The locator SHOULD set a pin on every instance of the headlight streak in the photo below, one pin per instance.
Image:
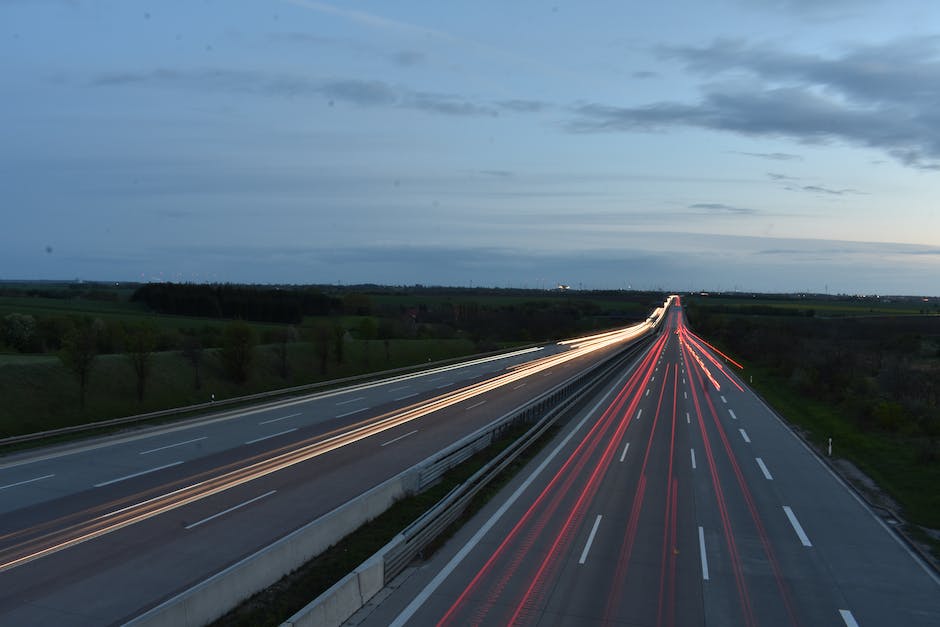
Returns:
(97, 521)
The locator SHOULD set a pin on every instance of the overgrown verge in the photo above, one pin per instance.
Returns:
(295, 590)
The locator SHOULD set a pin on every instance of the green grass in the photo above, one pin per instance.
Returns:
(822, 307)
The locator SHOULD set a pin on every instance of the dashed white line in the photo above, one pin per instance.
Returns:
(848, 619)
(744, 435)
(638, 414)
(692, 451)
(653, 379)
(352, 400)
(163, 448)
(13, 485)
(350, 413)
(267, 422)
(685, 394)
(401, 398)
(137, 474)
(724, 400)
(399, 389)
(683, 380)
(626, 447)
(516, 387)
(401, 437)
(701, 548)
(273, 435)
(804, 540)
(647, 391)
(229, 510)
(443, 385)
(763, 469)
(688, 420)
(733, 415)
(590, 540)
(475, 405)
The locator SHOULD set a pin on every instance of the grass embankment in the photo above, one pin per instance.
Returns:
(39, 393)
(293, 592)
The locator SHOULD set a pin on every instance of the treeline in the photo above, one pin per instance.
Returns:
(244, 302)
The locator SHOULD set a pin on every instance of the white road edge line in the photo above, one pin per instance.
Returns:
(350, 413)
(267, 422)
(356, 400)
(848, 619)
(763, 469)
(268, 437)
(229, 510)
(401, 398)
(744, 435)
(590, 540)
(474, 405)
(701, 549)
(401, 437)
(731, 411)
(13, 485)
(137, 474)
(405, 615)
(626, 447)
(163, 448)
(692, 451)
(804, 540)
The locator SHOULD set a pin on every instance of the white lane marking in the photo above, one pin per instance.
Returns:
(744, 435)
(733, 415)
(401, 437)
(626, 447)
(763, 469)
(137, 474)
(654, 378)
(353, 400)
(268, 437)
(475, 405)
(590, 540)
(701, 549)
(692, 451)
(516, 387)
(638, 414)
(401, 398)
(435, 379)
(163, 448)
(350, 413)
(442, 386)
(399, 389)
(688, 420)
(848, 619)
(267, 422)
(229, 510)
(471, 544)
(647, 391)
(804, 540)
(683, 380)
(685, 394)
(724, 400)
(13, 485)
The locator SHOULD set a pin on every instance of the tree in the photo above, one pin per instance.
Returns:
(320, 336)
(284, 337)
(19, 331)
(339, 341)
(140, 342)
(367, 332)
(193, 353)
(78, 354)
(237, 354)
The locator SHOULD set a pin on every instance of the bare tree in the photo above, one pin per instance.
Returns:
(193, 353)
(238, 347)
(78, 354)
(284, 337)
(140, 343)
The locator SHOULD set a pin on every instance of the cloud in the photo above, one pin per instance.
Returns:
(782, 177)
(408, 58)
(523, 106)
(774, 156)
(643, 74)
(883, 97)
(500, 174)
(827, 190)
(366, 93)
(718, 208)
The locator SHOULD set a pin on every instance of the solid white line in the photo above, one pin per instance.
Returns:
(350, 413)
(13, 485)
(475, 405)
(692, 451)
(455, 561)
(590, 540)
(744, 435)
(268, 437)
(848, 619)
(154, 450)
(688, 420)
(267, 422)
(724, 400)
(638, 414)
(701, 548)
(764, 470)
(401, 398)
(733, 415)
(229, 510)
(516, 387)
(353, 400)
(796, 526)
(623, 455)
(401, 437)
(136, 474)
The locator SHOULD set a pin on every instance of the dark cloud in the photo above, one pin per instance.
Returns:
(364, 93)
(523, 106)
(819, 189)
(782, 177)
(718, 208)
(884, 97)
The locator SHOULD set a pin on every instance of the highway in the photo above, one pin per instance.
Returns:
(96, 532)
(676, 498)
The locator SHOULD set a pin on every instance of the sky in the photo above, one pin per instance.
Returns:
(751, 145)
